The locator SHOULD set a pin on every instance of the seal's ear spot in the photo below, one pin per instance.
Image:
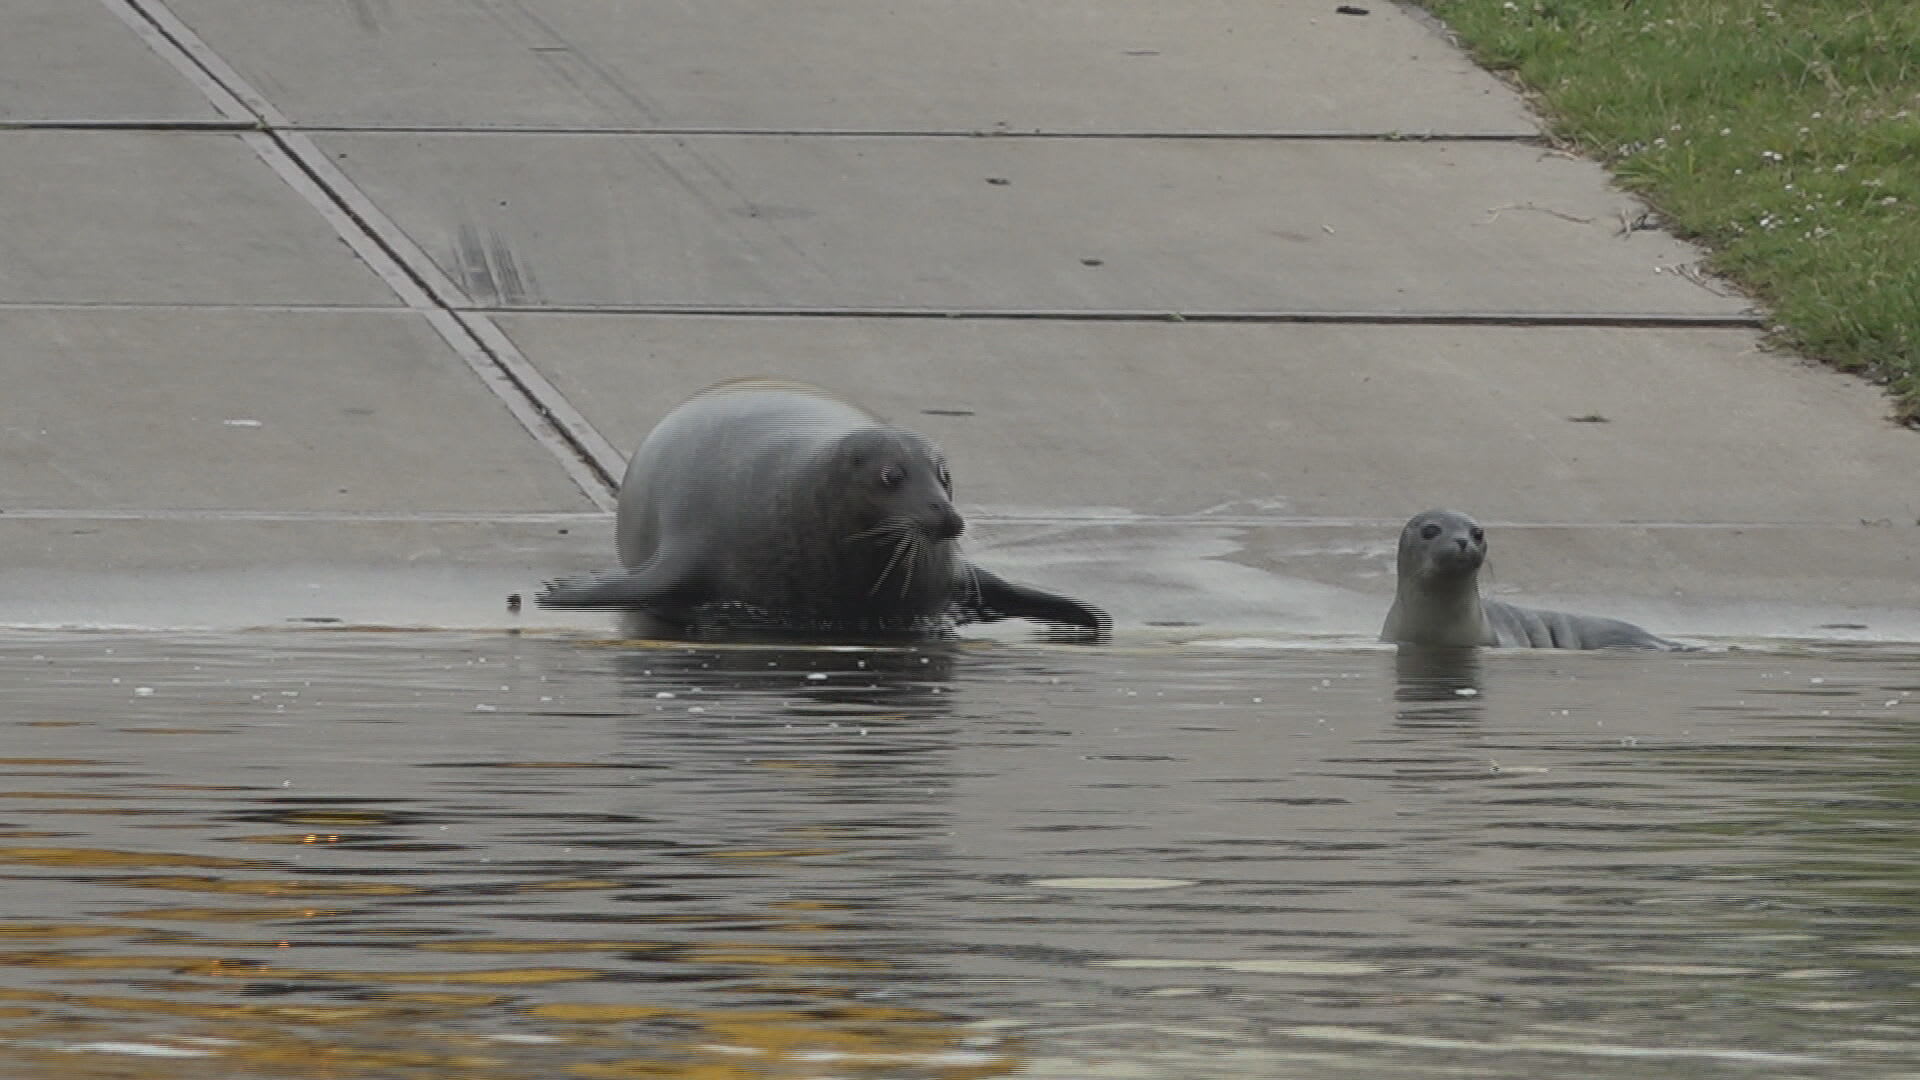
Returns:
(1429, 531)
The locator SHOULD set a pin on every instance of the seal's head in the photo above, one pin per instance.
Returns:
(885, 495)
(895, 482)
(1441, 545)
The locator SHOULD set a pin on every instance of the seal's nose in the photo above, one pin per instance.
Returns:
(945, 523)
(1464, 543)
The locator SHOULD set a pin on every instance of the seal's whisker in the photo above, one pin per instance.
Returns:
(913, 554)
(899, 549)
(888, 527)
(973, 584)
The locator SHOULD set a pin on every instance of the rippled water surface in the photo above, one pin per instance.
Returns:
(320, 854)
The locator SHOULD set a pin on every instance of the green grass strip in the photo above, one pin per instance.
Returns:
(1782, 134)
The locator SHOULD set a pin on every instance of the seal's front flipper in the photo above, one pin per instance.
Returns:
(660, 586)
(986, 597)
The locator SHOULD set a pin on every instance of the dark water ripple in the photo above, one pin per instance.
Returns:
(426, 855)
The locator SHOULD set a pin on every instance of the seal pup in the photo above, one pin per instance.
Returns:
(1437, 601)
(777, 509)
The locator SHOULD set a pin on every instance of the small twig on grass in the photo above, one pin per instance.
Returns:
(1630, 222)
(1692, 272)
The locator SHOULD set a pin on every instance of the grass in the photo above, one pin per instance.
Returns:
(1782, 134)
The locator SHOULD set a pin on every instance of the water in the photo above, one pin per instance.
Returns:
(350, 854)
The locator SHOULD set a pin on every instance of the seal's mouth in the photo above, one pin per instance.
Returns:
(1454, 562)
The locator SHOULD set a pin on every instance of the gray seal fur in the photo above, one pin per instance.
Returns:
(1437, 599)
(776, 506)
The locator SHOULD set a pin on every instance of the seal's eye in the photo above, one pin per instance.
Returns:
(1429, 531)
(892, 476)
(1479, 535)
(946, 481)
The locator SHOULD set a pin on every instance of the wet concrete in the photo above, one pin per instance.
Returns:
(311, 853)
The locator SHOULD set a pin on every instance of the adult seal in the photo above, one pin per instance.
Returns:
(776, 508)
(1437, 599)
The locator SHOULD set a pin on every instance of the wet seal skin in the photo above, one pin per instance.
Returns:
(1437, 600)
(769, 509)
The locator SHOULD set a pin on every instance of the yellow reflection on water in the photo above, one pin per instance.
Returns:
(600, 1014)
(96, 857)
(441, 997)
(431, 1034)
(242, 915)
(61, 930)
(850, 1041)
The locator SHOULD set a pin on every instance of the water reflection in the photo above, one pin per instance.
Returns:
(1443, 684)
(883, 678)
(323, 854)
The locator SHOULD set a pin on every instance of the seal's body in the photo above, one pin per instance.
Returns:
(1437, 599)
(780, 507)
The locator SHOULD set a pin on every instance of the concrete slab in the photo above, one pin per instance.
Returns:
(76, 62)
(260, 410)
(164, 218)
(1000, 224)
(1228, 421)
(1130, 65)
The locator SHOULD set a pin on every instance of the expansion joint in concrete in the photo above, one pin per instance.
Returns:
(1650, 320)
